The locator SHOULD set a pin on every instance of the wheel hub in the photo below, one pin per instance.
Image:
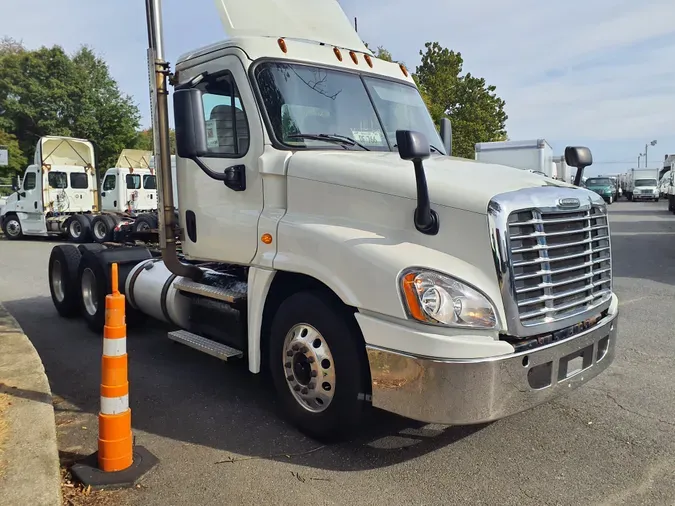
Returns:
(89, 292)
(57, 281)
(309, 368)
(75, 229)
(13, 228)
(100, 230)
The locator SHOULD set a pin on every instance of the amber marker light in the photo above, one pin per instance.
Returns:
(354, 57)
(338, 54)
(282, 45)
(403, 69)
(369, 60)
(266, 238)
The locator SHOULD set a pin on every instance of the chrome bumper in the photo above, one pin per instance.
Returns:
(462, 392)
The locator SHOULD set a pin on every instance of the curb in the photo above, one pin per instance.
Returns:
(29, 459)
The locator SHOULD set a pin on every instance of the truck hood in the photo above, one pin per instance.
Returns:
(454, 182)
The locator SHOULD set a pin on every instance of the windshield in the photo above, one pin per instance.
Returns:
(599, 181)
(302, 100)
(645, 182)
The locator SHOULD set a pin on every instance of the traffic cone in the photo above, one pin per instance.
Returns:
(117, 463)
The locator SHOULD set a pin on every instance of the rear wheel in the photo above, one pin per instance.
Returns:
(102, 227)
(63, 267)
(11, 227)
(92, 285)
(145, 223)
(78, 229)
(318, 365)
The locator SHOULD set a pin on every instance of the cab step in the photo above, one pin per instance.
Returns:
(216, 286)
(199, 343)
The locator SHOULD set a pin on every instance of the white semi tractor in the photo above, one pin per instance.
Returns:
(58, 195)
(367, 267)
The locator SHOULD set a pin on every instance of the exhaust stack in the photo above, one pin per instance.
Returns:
(158, 69)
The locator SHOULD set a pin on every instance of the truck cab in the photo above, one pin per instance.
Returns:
(368, 266)
(130, 186)
(61, 182)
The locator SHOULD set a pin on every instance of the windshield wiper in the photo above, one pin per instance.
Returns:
(431, 146)
(341, 139)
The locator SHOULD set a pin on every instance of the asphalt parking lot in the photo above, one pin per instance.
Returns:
(219, 440)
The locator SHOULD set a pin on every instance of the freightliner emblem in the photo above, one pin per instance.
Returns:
(569, 203)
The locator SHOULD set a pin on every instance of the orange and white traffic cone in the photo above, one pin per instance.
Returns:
(115, 441)
(117, 463)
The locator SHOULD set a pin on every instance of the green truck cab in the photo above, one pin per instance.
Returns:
(603, 186)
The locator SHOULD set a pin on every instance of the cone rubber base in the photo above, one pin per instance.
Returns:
(88, 473)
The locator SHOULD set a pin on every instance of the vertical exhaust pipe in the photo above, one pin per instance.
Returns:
(158, 69)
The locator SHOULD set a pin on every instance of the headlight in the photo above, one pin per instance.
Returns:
(432, 297)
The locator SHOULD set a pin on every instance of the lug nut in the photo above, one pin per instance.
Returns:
(296, 388)
(290, 377)
(288, 365)
(311, 386)
(304, 349)
(289, 353)
(314, 374)
(296, 347)
(310, 360)
(304, 391)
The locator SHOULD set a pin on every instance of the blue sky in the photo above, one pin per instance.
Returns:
(598, 73)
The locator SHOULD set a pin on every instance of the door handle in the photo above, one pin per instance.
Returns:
(235, 177)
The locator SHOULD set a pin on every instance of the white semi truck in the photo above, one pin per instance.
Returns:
(533, 155)
(368, 267)
(58, 195)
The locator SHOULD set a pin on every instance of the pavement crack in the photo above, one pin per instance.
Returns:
(649, 416)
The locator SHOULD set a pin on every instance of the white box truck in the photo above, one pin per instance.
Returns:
(367, 268)
(642, 185)
(533, 155)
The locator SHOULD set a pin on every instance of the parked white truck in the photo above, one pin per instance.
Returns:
(367, 267)
(533, 155)
(58, 195)
(642, 185)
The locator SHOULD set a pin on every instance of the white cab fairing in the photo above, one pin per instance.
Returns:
(317, 20)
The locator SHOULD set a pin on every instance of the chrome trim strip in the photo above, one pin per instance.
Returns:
(542, 200)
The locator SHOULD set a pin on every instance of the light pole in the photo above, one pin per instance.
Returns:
(653, 143)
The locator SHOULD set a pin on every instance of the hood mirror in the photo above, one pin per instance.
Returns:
(579, 157)
(414, 146)
(446, 135)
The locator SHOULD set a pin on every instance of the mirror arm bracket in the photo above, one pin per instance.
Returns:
(426, 219)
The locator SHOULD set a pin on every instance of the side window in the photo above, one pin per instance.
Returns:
(150, 182)
(29, 181)
(79, 180)
(226, 124)
(133, 182)
(109, 182)
(58, 180)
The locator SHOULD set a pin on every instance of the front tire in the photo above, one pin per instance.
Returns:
(318, 365)
(11, 227)
(64, 263)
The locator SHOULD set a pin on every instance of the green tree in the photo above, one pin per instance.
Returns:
(47, 92)
(145, 141)
(476, 112)
(17, 161)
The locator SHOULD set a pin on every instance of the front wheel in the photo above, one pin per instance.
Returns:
(11, 227)
(318, 365)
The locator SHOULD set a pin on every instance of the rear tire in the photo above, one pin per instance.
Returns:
(79, 229)
(102, 227)
(318, 365)
(145, 223)
(92, 285)
(64, 263)
(11, 227)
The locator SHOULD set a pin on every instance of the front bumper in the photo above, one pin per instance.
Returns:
(645, 196)
(469, 391)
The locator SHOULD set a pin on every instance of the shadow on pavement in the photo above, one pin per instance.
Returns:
(179, 393)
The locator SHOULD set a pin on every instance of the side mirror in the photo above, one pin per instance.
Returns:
(23, 194)
(579, 157)
(188, 115)
(15, 187)
(414, 146)
(446, 135)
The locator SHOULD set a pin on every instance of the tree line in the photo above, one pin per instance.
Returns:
(49, 92)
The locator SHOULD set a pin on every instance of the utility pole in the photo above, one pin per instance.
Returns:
(653, 143)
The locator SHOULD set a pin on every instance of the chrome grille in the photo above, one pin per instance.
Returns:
(560, 263)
